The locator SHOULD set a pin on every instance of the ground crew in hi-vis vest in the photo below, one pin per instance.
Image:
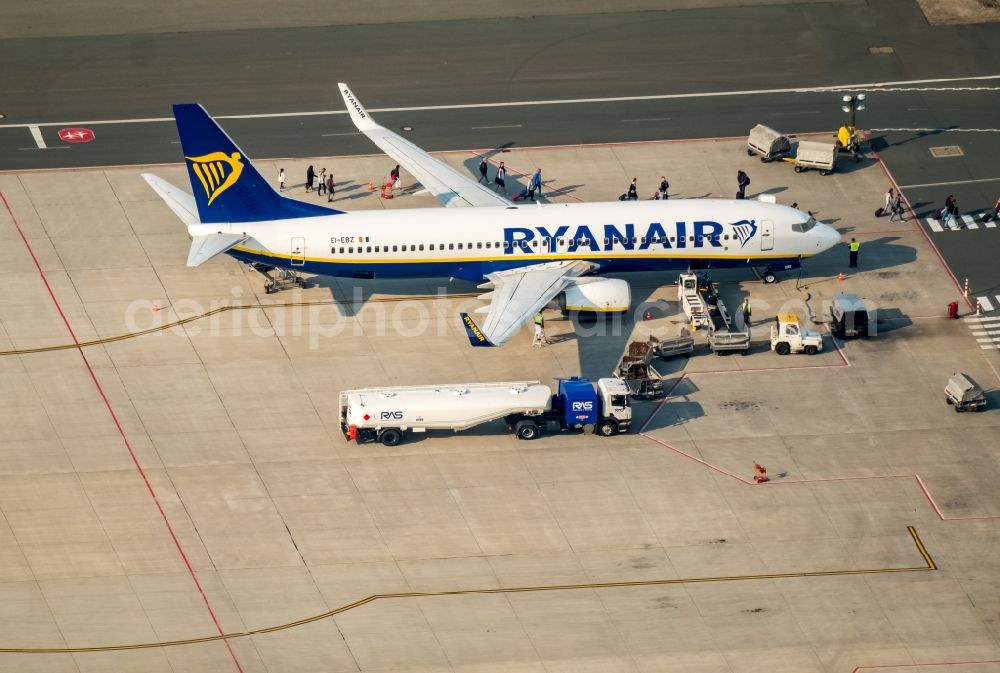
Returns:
(540, 339)
(854, 247)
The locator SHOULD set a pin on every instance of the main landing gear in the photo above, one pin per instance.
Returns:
(278, 278)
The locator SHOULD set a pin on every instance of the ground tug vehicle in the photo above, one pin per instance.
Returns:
(528, 407)
(787, 336)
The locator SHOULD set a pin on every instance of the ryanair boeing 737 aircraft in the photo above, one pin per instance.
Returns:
(527, 255)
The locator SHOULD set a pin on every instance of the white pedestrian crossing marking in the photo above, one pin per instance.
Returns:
(986, 332)
(986, 340)
(954, 224)
(985, 303)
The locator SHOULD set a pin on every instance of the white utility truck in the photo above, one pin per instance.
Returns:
(788, 337)
(528, 407)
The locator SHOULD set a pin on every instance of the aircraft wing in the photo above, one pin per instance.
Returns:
(450, 186)
(518, 294)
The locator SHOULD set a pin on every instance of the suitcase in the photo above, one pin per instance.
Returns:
(880, 212)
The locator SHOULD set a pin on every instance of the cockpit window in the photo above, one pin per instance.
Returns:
(803, 227)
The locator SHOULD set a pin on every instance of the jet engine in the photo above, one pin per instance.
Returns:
(596, 295)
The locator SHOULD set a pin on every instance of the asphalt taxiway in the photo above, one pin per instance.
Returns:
(183, 500)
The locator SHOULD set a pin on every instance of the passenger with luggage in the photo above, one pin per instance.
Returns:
(896, 208)
(949, 211)
(743, 181)
(633, 191)
(886, 208)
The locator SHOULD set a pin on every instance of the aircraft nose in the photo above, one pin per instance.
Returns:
(830, 237)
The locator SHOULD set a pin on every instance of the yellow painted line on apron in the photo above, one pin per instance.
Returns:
(929, 565)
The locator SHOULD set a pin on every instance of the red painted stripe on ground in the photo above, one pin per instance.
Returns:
(121, 431)
(909, 206)
(787, 482)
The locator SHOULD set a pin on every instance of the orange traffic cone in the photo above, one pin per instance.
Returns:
(648, 315)
(760, 473)
(155, 307)
(371, 185)
(840, 277)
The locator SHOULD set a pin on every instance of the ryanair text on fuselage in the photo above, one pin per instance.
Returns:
(698, 234)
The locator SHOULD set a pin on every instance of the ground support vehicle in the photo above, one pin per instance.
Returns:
(682, 344)
(580, 404)
(691, 291)
(850, 316)
(849, 140)
(767, 143)
(964, 393)
(787, 336)
(387, 414)
(635, 369)
(723, 334)
(704, 308)
(812, 154)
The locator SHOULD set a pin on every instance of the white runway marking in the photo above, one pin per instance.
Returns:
(499, 126)
(36, 133)
(648, 119)
(943, 184)
(523, 103)
(351, 133)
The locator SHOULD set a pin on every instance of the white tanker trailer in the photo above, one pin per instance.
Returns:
(385, 414)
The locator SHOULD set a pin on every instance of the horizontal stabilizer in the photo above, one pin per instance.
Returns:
(204, 248)
(476, 336)
(176, 199)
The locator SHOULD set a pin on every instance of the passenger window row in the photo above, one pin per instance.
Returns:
(562, 242)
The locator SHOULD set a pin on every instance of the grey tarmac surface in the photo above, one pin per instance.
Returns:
(194, 482)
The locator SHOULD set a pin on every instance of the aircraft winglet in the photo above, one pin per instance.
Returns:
(476, 336)
(359, 115)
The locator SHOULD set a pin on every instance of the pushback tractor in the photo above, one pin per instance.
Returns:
(528, 407)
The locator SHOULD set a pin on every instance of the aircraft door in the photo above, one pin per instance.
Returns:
(766, 235)
(298, 251)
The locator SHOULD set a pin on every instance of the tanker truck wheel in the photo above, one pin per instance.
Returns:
(606, 429)
(526, 430)
(390, 437)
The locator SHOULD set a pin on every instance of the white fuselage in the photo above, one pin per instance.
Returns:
(472, 242)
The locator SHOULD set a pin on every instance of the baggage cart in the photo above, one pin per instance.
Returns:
(636, 371)
(812, 154)
(682, 344)
(964, 393)
(767, 143)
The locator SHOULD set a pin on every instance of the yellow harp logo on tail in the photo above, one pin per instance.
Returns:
(217, 172)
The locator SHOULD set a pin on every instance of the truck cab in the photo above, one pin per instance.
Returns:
(615, 406)
(604, 406)
(787, 336)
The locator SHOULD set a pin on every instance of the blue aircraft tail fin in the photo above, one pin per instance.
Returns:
(227, 188)
(476, 336)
